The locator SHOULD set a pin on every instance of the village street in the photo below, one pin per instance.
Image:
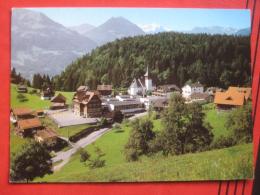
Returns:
(65, 156)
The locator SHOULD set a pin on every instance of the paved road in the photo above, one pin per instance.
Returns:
(65, 156)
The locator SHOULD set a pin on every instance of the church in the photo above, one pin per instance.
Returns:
(141, 85)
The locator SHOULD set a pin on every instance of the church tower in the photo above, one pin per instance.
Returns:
(148, 81)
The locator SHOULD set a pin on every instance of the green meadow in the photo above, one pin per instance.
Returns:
(228, 163)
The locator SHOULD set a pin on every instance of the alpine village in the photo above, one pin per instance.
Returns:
(163, 107)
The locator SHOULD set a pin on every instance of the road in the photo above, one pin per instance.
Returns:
(64, 156)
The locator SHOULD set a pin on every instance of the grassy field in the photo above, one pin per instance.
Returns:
(217, 120)
(33, 100)
(229, 163)
(15, 141)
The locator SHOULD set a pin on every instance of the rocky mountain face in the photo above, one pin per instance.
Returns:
(40, 45)
(114, 28)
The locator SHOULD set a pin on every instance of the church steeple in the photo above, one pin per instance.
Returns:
(146, 75)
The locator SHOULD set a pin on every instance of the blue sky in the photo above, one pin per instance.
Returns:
(169, 18)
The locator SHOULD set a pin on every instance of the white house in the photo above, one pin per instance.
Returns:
(142, 85)
(187, 90)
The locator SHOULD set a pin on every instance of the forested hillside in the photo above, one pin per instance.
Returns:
(214, 60)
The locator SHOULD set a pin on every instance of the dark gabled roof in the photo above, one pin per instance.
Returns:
(199, 95)
(59, 98)
(85, 97)
(104, 87)
(46, 133)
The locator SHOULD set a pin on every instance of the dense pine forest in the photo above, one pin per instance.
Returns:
(173, 58)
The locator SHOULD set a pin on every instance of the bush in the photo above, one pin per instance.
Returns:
(97, 163)
(103, 121)
(84, 155)
(223, 142)
(33, 91)
(21, 97)
(131, 155)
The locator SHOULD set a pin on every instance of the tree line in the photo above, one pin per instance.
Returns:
(184, 130)
(214, 60)
(17, 78)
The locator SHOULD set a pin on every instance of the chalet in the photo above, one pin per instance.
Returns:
(47, 136)
(233, 97)
(58, 102)
(189, 89)
(141, 85)
(28, 127)
(47, 94)
(87, 104)
(21, 114)
(166, 90)
(22, 89)
(104, 90)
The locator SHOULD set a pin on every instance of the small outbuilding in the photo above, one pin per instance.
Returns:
(28, 127)
(22, 89)
(58, 102)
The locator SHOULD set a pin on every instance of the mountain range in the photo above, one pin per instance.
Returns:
(220, 30)
(41, 45)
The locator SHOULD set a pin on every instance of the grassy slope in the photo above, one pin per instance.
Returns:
(217, 120)
(34, 101)
(209, 165)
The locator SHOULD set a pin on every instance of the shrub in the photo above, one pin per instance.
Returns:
(21, 97)
(84, 155)
(103, 121)
(33, 91)
(223, 142)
